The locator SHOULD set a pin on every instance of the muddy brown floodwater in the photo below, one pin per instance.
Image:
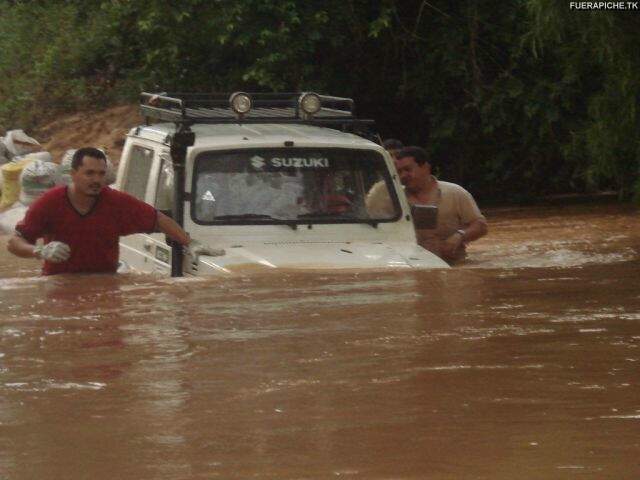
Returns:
(524, 364)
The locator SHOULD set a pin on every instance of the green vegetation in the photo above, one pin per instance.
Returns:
(513, 99)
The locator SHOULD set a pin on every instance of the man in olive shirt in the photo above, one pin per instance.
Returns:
(459, 220)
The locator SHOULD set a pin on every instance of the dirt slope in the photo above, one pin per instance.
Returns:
(105, 129)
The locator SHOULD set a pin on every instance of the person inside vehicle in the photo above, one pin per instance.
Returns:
(378, 202)
(459, 220)
(81, 223)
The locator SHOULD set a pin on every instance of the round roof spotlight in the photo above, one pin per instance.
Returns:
(310, 103)
(240, 102)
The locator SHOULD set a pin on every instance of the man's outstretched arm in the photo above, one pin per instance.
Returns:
(21, 248)
(169, 227)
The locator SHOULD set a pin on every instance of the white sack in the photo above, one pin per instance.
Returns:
(42, 156)
(35, 179)
(19, 143)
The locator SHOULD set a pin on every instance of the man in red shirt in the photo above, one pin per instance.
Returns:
(81, 223)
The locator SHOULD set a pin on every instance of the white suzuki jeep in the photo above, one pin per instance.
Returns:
(271, 180)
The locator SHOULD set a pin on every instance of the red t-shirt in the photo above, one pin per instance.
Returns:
(92, 237)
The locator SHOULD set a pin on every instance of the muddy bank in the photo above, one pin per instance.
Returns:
(106, 129)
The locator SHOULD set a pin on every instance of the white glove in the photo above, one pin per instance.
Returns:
(195, 249)
(55, 252)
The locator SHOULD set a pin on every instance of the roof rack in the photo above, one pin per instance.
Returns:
(190, 108)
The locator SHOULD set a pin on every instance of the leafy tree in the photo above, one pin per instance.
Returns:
(597, 54)
(513, 100)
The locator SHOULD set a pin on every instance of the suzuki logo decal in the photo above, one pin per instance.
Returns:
(257, 162)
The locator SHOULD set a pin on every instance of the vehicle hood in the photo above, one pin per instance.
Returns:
(320, 256)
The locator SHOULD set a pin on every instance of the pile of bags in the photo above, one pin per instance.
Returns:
(26, 172)
(17, 151)
(24, 181)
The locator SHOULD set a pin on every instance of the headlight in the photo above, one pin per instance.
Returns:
(240, 102)
(310, 103)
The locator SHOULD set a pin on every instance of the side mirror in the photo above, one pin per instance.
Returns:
(424, 216)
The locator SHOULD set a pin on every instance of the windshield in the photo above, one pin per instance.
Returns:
(292, 185)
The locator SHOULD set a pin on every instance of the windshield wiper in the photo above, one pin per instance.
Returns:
(319, 215)
(244, 216)
(337, 216)
(258, 216)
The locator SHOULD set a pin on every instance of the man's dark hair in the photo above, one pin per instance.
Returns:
(392, 144)
(76, 161)
(419, 154)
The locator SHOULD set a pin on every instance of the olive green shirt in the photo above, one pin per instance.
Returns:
(456, 210)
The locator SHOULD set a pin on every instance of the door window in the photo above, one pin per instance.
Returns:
(164, 190)
(140, 161)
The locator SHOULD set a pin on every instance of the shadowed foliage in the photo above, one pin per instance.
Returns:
(513, 99)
